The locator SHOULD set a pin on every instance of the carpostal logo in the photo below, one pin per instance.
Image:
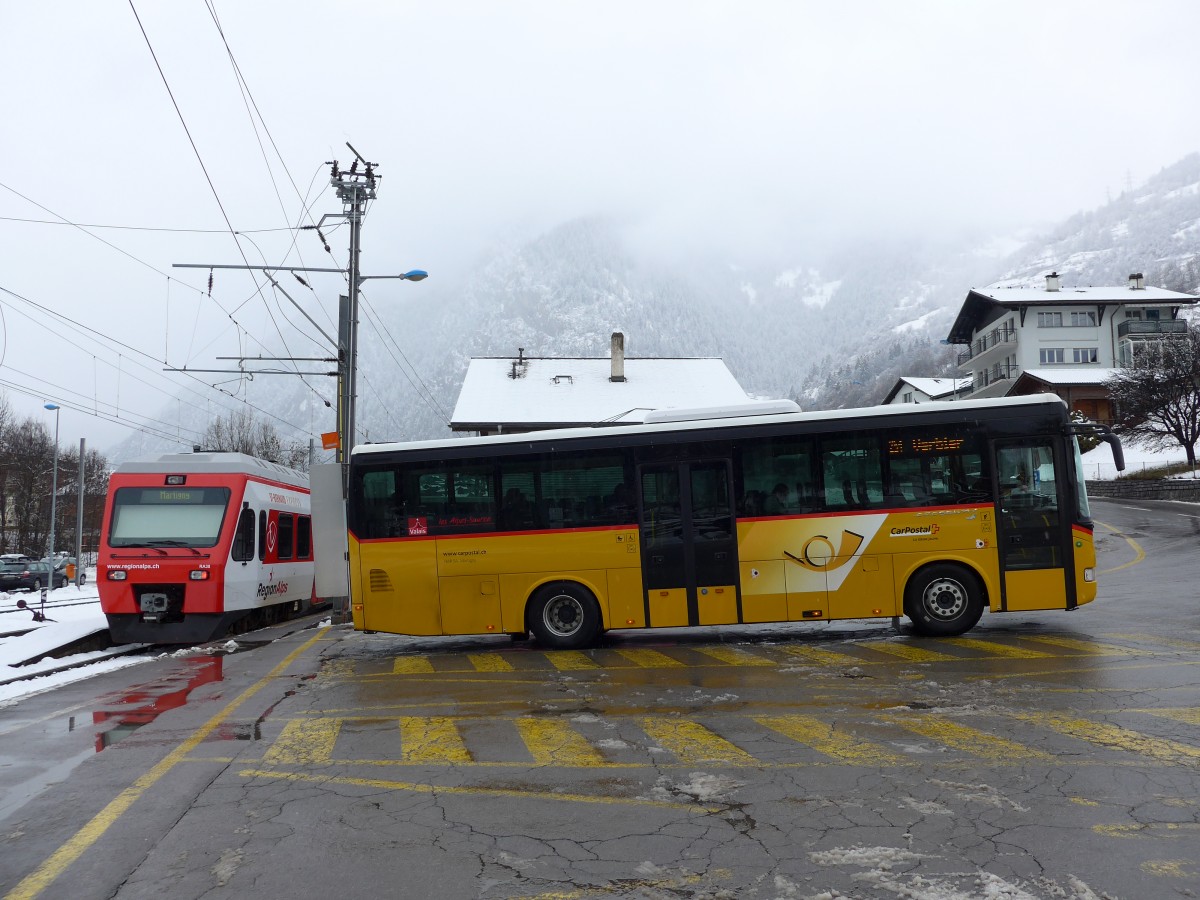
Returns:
(271, 590)
(916, 530)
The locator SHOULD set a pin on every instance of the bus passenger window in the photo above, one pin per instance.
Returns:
(765, 465)
(853, 472)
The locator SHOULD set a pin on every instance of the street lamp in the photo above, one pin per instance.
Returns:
(53, 498)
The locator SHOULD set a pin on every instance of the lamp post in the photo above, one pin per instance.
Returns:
(53, 498)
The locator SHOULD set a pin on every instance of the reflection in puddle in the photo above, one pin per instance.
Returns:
(146, 703)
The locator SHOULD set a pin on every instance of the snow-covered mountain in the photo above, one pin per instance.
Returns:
(829, 331)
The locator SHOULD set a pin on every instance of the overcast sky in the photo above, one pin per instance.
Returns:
(752, 127)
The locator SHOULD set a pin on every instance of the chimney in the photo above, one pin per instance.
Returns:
(1052, 282)
(1137, 282)
(618, 357)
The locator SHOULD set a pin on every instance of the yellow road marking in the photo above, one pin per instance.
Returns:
(305, 742)
(1170, 868)
(553, 742)
(992, 648)
(1091, 648)
(337, 668)
(412, 665)
(907, 651)
(45, 874)
(824, 738)
(1115, 737)
(489, 662)
(734, 656)
(431, 739)
(571, 660)
(377, 784)
(693, 743)
(969, 740)
(824, 657)
(1138, 553)
(650, 659)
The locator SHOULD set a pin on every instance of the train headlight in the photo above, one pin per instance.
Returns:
(117, 575)
(198, 575)
(1089, 574)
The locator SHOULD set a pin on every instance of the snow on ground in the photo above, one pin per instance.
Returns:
(71, 613)
(1098, 463)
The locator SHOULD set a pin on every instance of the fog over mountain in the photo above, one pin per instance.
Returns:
(830, 329)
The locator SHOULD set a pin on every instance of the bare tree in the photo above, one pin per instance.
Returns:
(1157, 397)
(26, 460)
(240, 432)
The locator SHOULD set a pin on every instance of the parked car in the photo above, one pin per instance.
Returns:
(28, 576)
(14, 557)
(66, 565)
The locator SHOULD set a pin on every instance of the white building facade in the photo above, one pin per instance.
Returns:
(1072, 333)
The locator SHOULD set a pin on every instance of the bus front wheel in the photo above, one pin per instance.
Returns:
(564, 616)
(944, 600)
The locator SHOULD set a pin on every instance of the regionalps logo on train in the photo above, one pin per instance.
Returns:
(272, 590)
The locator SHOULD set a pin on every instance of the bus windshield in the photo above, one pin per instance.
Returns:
(181, 517)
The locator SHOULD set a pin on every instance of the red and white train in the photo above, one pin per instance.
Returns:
(198, 545)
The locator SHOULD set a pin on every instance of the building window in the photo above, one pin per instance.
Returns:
(1079, 319)
(1085, 355)
(1051, 355)
(1153, 315)
(908, 397)
(1133, 313)
(1050, 320)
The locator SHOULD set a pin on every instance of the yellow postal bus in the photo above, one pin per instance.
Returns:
(715, 517)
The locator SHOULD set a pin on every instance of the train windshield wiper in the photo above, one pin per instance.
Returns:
(167, 542)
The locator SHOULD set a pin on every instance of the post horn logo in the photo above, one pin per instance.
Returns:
(819, 553)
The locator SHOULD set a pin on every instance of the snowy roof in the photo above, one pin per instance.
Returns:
(1103, 294)
(980, 303)
(1063, 375)
(931, 387)
(558, 392)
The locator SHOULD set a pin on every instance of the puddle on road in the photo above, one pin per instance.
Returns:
(126, 713)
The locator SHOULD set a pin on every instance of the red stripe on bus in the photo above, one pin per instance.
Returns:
(479, 534)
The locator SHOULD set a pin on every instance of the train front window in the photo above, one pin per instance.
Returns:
(167, 516)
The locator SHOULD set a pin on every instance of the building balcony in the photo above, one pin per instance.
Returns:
(985, 342)
(1136, 328)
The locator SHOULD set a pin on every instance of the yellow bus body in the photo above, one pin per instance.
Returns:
(803, 568)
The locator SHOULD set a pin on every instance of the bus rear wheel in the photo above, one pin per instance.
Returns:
(564, 616)
(943, 600)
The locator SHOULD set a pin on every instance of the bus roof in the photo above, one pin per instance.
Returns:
(965, 408)
(216, 463)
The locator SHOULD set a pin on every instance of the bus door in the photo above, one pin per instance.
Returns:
(689, 544)
(1034, 535)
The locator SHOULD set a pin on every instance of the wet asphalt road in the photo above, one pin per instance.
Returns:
(1043, 755)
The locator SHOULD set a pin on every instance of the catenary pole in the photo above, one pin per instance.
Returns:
(79, 518)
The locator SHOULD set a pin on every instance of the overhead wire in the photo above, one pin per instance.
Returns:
(96, 333)
(203, 168)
